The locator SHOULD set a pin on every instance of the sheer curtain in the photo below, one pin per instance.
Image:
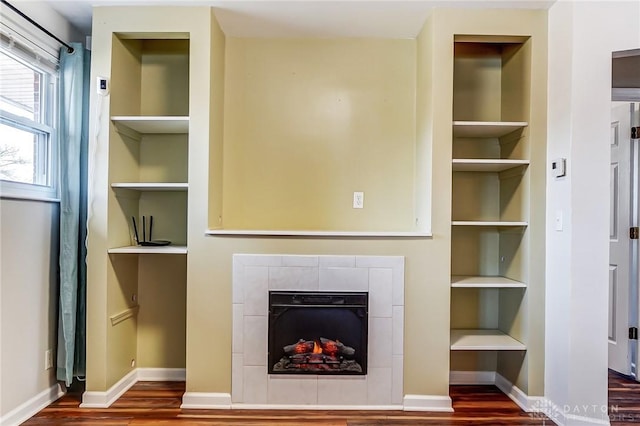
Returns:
(73, 142)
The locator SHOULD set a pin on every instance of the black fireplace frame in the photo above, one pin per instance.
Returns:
(283, 301)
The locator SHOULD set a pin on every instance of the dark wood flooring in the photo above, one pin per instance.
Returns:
(624, 400)
(158, 403)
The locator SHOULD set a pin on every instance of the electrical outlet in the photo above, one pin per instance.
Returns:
(358, 200)
(48, 359)
(133, 362)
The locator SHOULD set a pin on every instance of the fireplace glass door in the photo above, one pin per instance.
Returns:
(318, 333)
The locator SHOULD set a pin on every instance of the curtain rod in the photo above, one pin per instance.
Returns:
(40, 27)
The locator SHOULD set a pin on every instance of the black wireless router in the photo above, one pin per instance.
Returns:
(144, 242)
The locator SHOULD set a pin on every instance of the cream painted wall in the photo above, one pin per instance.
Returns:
(28, 298)
(582, 36)
(310, 121)
(28, 261)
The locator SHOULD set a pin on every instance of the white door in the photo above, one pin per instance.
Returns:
(619, 241)
(635, 218)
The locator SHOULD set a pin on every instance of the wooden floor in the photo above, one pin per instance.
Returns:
(158, 403)
(624, 400)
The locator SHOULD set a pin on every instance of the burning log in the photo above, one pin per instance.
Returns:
(336, 347)
(301, 347)
(333, 348)
(317, 356)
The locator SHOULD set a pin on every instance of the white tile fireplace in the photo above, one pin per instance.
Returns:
(255, 275)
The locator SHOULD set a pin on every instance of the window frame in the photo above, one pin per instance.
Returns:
(47, 130)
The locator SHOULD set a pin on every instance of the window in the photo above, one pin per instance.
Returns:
(28, 154)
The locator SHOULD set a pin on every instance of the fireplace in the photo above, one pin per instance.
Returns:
(321, 333)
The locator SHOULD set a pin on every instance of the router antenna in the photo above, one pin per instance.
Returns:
(135, 230)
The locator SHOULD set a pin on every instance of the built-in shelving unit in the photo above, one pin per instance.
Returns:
(490, 207)
(148, 177)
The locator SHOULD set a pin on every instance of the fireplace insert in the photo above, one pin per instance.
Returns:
(318, 332)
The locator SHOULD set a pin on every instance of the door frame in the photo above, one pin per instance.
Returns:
(625, 87)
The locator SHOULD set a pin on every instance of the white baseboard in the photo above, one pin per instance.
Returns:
(242, 406)
(206, 400)
(31, 407)
(472, 377)
(427, 403)
(93, 399)
(162, 374)
(528, 403)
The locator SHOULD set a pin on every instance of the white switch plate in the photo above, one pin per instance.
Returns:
(358, 200)
(559, 220)
(48, 359)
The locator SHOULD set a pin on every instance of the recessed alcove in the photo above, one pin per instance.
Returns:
(307, 123)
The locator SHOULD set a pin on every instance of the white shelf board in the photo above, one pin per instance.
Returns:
(303, 233)
(497, 223)
(483, 340)
(151, 186)
(148, 249)
(488, 165)
(466, 281)
(154, 124)
(486, 129)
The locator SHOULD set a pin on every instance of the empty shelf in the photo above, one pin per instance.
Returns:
(151, 186)
(150, 125)
(144, 250)
(465, 281)
(496, 223)
(482, 165)
(486, 129)
(483, 340)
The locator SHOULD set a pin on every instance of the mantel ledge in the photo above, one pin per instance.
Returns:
(304, 233)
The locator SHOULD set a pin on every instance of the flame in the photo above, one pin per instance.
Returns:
(316, 348)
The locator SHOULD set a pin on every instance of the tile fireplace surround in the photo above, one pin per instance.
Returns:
(255, 275)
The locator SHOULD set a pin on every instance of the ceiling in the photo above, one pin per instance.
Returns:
(300, 18)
